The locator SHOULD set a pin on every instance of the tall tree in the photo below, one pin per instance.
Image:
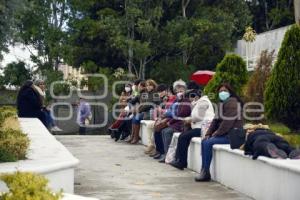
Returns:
(15, 74)
(42, 25)
(8, 8)
(282, 95)
(271, 14)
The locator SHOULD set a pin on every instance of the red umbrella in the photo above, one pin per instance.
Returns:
(202, 77)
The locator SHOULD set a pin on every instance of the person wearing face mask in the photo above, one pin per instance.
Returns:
(181, 108)
(125, 95)
(229, 116)
(201, 117)
(114, 128)
(148, 101)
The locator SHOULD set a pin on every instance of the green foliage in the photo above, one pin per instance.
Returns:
(140, 33)
(282, 95)
(6, 112)
(8, 8)
(257, 82)
(232, 70)
(271, 14)
(292, 138)
(41, 25)
(254, 91)
(59, 88)
(16, 74)
(167, 71)
(25, 185)
(13, 143)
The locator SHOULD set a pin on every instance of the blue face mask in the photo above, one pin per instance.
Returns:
(224, 95)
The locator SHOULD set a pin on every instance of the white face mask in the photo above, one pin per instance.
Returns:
(180, 95)
(127, 89)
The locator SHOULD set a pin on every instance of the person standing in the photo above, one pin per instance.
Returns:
(84, 114)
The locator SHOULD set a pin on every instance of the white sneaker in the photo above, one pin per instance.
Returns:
(55, 129)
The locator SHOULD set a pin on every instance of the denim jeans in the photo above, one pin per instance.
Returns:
(167, 134)
(138, 118)
(207, 149)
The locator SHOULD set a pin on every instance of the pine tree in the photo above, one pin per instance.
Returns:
(232, 70)
(282, 95)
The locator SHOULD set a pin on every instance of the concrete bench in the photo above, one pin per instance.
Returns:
(76, 197)
(261, 179)
(146, 131)
(46, 156)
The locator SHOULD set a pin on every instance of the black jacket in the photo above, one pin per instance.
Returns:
(251, 138)
(29, 104)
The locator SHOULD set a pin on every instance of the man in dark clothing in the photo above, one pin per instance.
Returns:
(29, 103)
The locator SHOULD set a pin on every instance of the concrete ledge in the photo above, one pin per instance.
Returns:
(262, 179)
(46, 156)
(146, 131)
(75, 197)
(194, 155)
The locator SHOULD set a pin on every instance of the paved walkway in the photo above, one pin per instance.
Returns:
(113, 171)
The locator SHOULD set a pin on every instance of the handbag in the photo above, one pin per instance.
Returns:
(161, 124)
(237, 137)
(170, 157)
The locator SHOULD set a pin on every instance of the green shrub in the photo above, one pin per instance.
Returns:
(232, 70)
(13, 145)
(27, 186)
(257, 83)
(282, 95)
(5, 112)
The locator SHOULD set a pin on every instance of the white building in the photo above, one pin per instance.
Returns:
(270, 40)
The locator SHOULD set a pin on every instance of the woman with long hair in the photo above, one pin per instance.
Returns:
(228, 116)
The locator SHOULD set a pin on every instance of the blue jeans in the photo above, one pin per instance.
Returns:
(167, 134)
(138, 118)
(207, 149)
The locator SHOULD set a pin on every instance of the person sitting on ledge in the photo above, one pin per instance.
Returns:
(228, 116)
(148, 99)
(261, 141)
(201, 117)
(29, 104)
(180, 109)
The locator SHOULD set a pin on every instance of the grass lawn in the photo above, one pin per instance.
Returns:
(292, 138)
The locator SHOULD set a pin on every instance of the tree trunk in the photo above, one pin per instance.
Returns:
(297, 11)
(56, 63)
(266, 15)
(130, 55)
(184, 4)
(142, 70)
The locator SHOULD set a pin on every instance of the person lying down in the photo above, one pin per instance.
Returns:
(261, 141)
